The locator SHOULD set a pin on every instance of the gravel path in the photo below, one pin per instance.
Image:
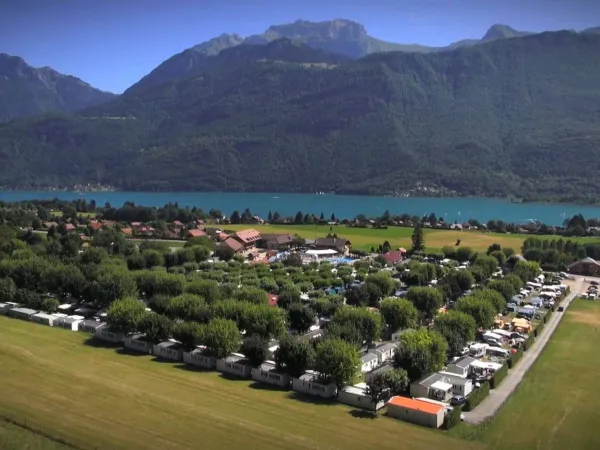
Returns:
(498, 396)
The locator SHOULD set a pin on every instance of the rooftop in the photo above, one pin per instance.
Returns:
(368, 357)
(248, 236)
(419, 405)
(463, 362)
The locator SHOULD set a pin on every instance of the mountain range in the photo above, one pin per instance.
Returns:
(26, 91)
(507, 115)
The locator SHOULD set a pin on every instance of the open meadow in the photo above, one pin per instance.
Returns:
(556, 407)
(97, 397)
(14, 437)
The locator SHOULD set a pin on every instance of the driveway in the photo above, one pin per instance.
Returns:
(498, 396)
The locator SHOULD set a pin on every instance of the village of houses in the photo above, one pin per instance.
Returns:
(429, 399)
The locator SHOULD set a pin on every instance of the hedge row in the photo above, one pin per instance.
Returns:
(498, 376)
(514, 358)
(538, 329)
(528, 342)
(477, 396)
(452, 418)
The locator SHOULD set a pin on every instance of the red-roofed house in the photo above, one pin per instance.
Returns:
(127, 231)
(195, 233)
(249, 238)
(70, 227)
(393, 258)
(234, 245)
(95, 225)
(177, 224)
(416, 411)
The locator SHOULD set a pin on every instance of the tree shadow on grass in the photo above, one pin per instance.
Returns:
(129, 352)
(97, 343)
(233, 377)
(362, 414)
(192, 368)
(161, 360)
(268, 387)
(312, 399)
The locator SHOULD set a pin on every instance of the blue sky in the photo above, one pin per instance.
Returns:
(113, 43)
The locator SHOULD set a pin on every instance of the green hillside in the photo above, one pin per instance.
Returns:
(514, 116)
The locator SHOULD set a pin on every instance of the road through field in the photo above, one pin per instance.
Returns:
(498, 396)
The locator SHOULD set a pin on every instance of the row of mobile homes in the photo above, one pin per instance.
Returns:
(172, 350)
(43, 318)
(137, 343)
(108, 335)
(268, 373)
(21, 313)
(90, 326)
(6, 307)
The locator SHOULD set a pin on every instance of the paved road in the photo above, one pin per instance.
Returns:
(498, 396)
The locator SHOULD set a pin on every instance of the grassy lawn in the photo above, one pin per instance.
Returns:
(13, 437)
(365, 238)
(99, 398)
(557, 405)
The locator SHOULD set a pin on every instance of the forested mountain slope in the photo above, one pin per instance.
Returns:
(517, 116)
(25, 90)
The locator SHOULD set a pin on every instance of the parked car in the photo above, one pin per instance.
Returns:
(594, 283)
(457, 400)
(561, 309)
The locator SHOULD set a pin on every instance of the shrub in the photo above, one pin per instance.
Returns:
(538, 329)
(477, 396)
(514, 359)
(529, 342)
(499, 375)
(452, 418)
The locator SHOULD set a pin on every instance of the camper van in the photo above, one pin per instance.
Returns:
(478, 350)
(493, 338)
(498, 352)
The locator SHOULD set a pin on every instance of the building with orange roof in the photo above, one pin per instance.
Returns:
(249, 238)
(416, 411)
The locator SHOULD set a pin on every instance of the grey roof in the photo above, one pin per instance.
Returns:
(381, 369)
(24, 310)
(169, 344)
(92, 324)
(368, 357)
(428, 380)
(586, 260)
(268, 366)
(463, 362)
(385, 347)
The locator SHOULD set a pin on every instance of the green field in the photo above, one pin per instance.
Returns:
(14, 437)
(557, 405)
(365, 238)
(99, 398)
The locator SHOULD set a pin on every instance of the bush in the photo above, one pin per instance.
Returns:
(514, 359)
(499, 375)
(538, 329)
(477, 396)
(452, 418)
(529, 342)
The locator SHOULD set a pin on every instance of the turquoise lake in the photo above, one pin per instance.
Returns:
(343, 206)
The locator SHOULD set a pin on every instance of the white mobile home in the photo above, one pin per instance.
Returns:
(197, 358)
(368, 362)
(137, 343)
(310, 384)
(434, 386)
(4, 308)
(477, 350)
(43, 318)
(90, 326)
(357, 396)
(172, 350)
(68, 323)
(461, 386)
(416, 411)
(235, 364)
(108, 335)
(21, 313)
(379, 370)
(384, 352)
(268, 373)
(460, 366)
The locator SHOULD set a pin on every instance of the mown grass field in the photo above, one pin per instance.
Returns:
(13, 437)
(365, 238)
(557, 405)
(99, 398)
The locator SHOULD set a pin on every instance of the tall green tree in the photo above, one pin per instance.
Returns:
(294, 356)
(420, 352)
(221, 337)
(337, 361)
(457, 328)
(256, 349)
(427, 300)
(156, 327)
(399, 313)
(125, 315)
(418, 239)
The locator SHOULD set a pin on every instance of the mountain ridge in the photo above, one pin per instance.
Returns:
(26, 90)
(491, 119)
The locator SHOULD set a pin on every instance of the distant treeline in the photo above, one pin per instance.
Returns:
(24, 212)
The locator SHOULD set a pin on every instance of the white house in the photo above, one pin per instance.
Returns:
(310, 384)
(43, 318)
(368, 362)
(4, 308)
(107, 335)
(235, 364)
(137, 343)
(384, 352)
(461, 386)
(356, 396)
(197, 358)
(268, 373)
(68, 323)
(461, 366)
(172, 350)
(416, 411)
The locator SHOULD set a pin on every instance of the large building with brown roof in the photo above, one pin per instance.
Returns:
(276, 241)
(248, 238)
(585, 266)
